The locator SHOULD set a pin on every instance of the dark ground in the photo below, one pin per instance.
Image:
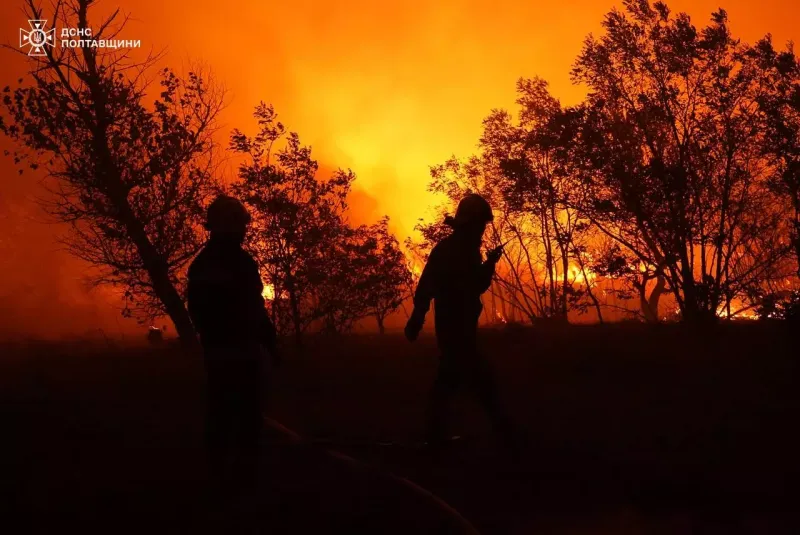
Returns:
(630, 431)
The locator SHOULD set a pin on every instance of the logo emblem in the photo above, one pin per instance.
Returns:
(37, 38)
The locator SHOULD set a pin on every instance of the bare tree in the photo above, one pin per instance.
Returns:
(129, 166)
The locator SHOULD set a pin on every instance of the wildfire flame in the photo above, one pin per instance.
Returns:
(268, 292)
(501, 317)
(722, 312)
(576, 274)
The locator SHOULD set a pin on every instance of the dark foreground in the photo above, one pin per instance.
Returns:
(631, 432)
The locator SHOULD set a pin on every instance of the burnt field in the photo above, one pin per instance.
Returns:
(633, 429)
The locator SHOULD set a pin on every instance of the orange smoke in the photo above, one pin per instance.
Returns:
(390, 88)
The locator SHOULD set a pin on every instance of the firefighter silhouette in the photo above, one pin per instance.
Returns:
(227, 309)
(454, 278)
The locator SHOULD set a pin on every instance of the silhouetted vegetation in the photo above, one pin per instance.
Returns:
(321, 270)
(676, 176)
(129, 173)
(672, 187)
(671, 192)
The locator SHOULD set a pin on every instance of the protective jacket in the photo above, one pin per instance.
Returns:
(454, 278)
(225, 298)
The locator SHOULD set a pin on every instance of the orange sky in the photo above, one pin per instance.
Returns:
(387, 88)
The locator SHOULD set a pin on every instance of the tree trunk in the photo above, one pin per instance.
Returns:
(549, 264)
(690, 309)
(295, 306)
(565, 284)
(595, 301)
(503, 308)
(381, 329)
(649, 305)
(796, 237)
(177, 312)
(158, 271)
(655, 296)
(154, 263)
(494, 302)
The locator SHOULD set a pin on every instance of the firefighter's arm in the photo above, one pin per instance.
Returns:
(487, 268)
(422, 297)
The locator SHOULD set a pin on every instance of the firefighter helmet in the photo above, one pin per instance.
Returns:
(227, 214)
(472, 209)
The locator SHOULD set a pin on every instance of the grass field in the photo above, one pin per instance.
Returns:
(634, 429)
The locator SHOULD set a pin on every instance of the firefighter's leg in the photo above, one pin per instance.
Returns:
(217, 429)
(249, 425)
(444, 386)
(485, 387)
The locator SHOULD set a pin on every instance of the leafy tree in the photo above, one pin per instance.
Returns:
(541, 180)
(640, 281)
(516, 281)
(298, 218)
(780, 105)
(544, 272)
(128, 168)
(383, 272)
(669, 141)
(783, 305)
(365, 275)
(323, 271)
(335, 290)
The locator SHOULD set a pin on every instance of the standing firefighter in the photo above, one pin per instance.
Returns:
(227, 309)
(455, 277)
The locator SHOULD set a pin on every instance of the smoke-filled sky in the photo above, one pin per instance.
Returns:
(386, 88)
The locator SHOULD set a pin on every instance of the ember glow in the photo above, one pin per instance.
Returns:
(737, 311)
(577, 275)
(269, 292)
